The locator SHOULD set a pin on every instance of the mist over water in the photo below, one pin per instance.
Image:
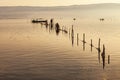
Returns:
(35, 52)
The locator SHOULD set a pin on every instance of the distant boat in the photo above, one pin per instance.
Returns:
(74, 19)
(102, 19)
(39, 20)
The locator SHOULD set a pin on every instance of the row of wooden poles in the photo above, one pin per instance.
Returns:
(91, 44)
(71, 32)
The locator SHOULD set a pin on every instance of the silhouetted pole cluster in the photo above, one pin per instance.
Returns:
(71, 34)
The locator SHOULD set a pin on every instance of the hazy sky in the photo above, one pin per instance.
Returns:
(52, 2)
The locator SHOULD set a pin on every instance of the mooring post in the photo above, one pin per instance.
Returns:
(77, 39)
(51, 22)
(72, 29)
(103, 56)
(84, 37)
(84, 41)
(108, 59)
(99, 45)
(72, 32)
(91, 45)
(72, 35)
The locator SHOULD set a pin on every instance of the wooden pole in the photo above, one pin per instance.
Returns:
(103, 56)
(108, 59)
(84, 41)
(84, 37)
(72, 31)
(72, 35)
(77, 39)
(99, 45)
(91, 44)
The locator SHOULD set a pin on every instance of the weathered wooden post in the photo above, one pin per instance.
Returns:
(99, 45)
(57, 28)
(99, 50)
(77, 39)
(91, 44)
(103, 56)
(72, 32)
(84, 37)
(72, 35)
(84, 41)
(108, 59)
(51, 23)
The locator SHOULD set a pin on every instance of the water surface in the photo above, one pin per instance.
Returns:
(33, 52)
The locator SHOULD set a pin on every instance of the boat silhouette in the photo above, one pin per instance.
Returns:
(39, 20)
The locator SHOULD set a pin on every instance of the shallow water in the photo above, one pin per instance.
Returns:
(33, 52)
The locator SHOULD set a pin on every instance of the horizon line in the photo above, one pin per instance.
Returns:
(58, 6)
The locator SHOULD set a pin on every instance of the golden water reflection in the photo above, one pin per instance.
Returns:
(36, 50)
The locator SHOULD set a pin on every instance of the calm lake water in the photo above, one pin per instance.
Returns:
(33, 52)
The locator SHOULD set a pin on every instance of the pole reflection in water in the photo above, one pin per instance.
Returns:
(99, 50)
(83, 46)
(72, 41)
(103, 56)
(99, 56)
(46, 24)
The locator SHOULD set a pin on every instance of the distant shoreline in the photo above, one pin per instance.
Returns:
(95, 4)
